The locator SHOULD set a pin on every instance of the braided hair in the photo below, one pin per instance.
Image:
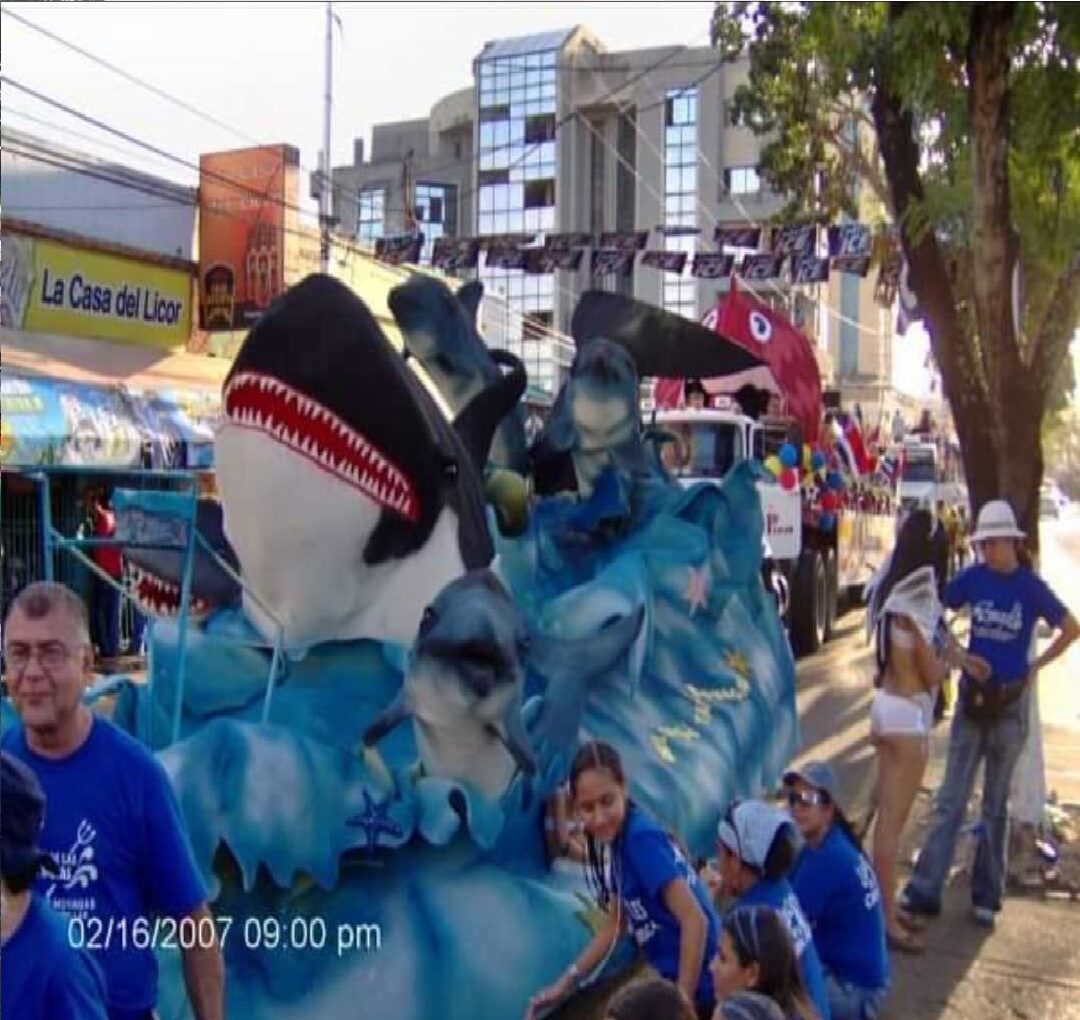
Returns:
(603, 864)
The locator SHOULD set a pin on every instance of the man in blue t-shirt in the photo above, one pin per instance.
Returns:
(991, 721)
(113, 825)
(45, 978)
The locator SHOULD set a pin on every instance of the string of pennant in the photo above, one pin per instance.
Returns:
(852, 249)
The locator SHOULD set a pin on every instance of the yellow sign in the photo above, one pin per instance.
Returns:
(83, 293)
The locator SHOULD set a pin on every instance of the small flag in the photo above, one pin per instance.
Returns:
(669, 261)
(809, 269)
(712, 265)
(794, 238)
(625, 240)
(738, 237)
(760, 267)
(397, 250)
(567, 242)
(454, 253)
(856, 265)
(607, 261)
(850, 240)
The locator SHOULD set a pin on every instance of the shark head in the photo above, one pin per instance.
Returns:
(157, 574)
(437, 325)
(343, 485)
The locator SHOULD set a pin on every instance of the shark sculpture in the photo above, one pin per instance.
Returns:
(440, 332)
(465, 678)
(157, 573)
(349, 498)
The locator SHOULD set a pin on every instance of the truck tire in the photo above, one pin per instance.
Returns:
(808, 604)
(832, 595)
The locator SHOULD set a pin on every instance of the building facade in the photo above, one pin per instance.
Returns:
(559, 135)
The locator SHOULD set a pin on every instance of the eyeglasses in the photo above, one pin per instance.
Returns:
(52, 655)
(807, 798)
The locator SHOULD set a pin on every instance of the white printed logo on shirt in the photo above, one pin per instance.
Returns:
(992, 624)
(869, 883)
(797, 924)
(78, 873)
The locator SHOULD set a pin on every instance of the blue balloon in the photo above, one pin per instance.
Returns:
(789, 456)
(835, 481)
(817, 460)
(827, 521)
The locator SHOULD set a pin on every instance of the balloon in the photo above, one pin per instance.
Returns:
(789, 456)
(817, 461)
(827, 522)
(835, 481)
(788, 479)
(807, 457)
(830, 501)
(772, 463)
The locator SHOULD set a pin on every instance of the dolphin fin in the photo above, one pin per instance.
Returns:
(478, 420)
(469, 296)
(516, 740)
(391, 717)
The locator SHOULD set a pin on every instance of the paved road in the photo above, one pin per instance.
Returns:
(1030, 966)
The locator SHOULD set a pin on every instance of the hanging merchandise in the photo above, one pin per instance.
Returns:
(612, 261)
(711, 265)
(794, 239)
(567, 242)
(668, 261)
(738, 237)
(625, 240)
(505, 255)
(890, 257)
(396, 251)
(809, 269)
(452, 254)
(850, 248)
(760, 267)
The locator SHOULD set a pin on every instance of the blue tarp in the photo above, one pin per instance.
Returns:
(50, 421)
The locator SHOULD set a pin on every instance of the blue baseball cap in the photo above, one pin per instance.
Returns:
(22, 813)
(818, 774)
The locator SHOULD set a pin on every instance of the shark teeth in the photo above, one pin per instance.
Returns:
(157, 596)
(258, 401)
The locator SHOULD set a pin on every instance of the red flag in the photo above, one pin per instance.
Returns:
(767, 334)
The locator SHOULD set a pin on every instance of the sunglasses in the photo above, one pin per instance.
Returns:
(807, 798)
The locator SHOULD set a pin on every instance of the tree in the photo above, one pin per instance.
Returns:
(964, 121)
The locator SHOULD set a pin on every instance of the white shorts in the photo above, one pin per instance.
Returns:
(896, 715)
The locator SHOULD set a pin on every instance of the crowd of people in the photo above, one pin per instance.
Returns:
(793, 920)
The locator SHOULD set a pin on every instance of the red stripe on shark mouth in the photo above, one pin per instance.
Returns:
(257, 401)
(162, 598)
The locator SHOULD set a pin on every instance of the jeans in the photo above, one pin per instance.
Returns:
(106, 603)
(851, 1002)
(998, 744)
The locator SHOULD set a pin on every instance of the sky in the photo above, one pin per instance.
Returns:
(260, 66)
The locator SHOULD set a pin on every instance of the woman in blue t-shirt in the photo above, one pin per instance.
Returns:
(643, 881)
(757, 954)
(756, 849)
(838, 892)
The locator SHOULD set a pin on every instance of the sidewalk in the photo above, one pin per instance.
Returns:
(1029, 966)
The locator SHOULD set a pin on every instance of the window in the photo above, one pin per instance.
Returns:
(370, 214)
(539, 194)
(681, 195)
(540, 127)
(436, 210)
(742, 180)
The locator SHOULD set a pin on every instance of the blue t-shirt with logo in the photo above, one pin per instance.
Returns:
(648, 862)
(114, 829)
(839, 894)
(44, 977)
(779, 895)
(1004, 611)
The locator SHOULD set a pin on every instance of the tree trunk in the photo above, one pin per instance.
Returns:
(961, 375)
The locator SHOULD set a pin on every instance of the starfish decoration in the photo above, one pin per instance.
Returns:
(661, 741)
(736, 662)
(696, 592)
(375, 821)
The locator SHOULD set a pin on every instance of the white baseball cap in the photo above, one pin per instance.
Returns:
(749, 829)
(996, 520)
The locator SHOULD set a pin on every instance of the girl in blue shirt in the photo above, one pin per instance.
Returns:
(839, 894)
(756, 849)
(643, 880)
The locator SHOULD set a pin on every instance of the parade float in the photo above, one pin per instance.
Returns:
(392, 644)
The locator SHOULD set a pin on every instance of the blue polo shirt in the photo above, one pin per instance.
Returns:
(779, 895)
(839, 894)
(649, 861)
(113, 827)
(1004, 611)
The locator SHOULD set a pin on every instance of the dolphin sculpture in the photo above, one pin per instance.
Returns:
(439, 329)
(464, 682)
(349, 498)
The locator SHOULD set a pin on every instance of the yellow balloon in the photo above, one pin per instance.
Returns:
(807, 456)
(772, 463)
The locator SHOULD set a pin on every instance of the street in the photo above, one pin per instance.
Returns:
(1029, 966)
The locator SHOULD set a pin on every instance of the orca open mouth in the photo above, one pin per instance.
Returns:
(257, 401)
(156, 595)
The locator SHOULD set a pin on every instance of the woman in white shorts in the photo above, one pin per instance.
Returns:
(914, 652)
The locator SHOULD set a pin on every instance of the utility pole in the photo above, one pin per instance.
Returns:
(325, 193)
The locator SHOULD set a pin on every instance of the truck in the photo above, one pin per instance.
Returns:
(815, 572)
(920, 477)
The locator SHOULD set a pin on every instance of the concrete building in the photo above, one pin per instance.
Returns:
(559, 135)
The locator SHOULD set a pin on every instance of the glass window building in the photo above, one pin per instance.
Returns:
(680, 194)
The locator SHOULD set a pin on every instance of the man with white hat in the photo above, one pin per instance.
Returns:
(991, 722)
